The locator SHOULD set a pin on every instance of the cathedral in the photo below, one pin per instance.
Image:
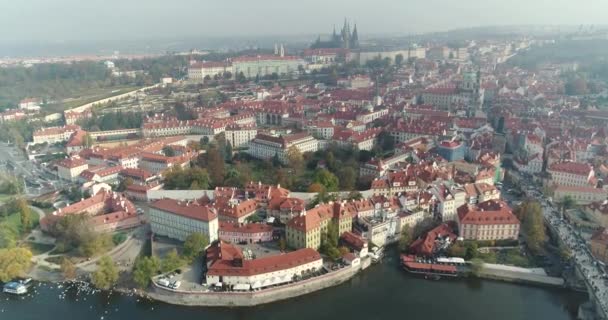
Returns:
(346, 39)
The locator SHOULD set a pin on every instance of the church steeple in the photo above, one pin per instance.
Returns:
(354, 41)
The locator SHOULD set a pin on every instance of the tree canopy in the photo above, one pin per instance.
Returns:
(106, 274)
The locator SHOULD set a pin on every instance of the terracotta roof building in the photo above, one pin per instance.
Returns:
(489, 220)
(230, 269)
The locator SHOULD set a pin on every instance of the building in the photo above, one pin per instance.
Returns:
(345, 40)
(69, 169)
(200, 71)
(266, 65)
(306, 230)
(179, 219)
(572, 174)
(32, 104)
(107, 211)
(581, 195)
(236, 211)
(490, 220)
(229, 268)
(240, 136)
(12, 115)
(480, 192)
(355, 243)
(54, 134)
(157, 163)
(599, 245)
(451, 150)
(598, 211)
(266, 146)
(245, 233)
(434, 241)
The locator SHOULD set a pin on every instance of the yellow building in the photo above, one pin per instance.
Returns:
(306, 230)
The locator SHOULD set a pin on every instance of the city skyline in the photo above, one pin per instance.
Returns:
(68, 20)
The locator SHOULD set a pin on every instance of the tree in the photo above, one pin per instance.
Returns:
(315, 187)
(215, 166)
(204, 141)
(8, 236)
(470, 250)
(25, 214)
(168, 151)
(399, 60)
(144, 269)
(354, 195)
(566, 203)
(194, 245)
(534, 228)
(405, 239)
(333, 234)
(348, 178)
(282, 244)
(14, 262)
(106, 274)
(228, 153)
(326, 179)
(68, 269)
(171, 261)
(386, 141)
(295, 158)
(87, 141)
(476, 266)
(124, 184)
(93, 244)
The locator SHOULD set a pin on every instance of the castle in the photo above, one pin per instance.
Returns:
(346, 39)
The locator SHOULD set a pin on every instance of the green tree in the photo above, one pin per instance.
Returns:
(106, 274)
(194, 245)
(87, 141)
(348, 178)
(124, 184)
(326, 179)
(399, 60)
(92, 244)
(144, 269)
(405, 239)
(68, 269)
(228, 151)
(566, 203)
(171, 261)
(168, 151)
(8, 236)
(476, 266)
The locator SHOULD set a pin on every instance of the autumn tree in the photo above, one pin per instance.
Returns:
(14, 262)
(68, 269)
(295, 159)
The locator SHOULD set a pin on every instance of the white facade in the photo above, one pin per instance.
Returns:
(179, 227)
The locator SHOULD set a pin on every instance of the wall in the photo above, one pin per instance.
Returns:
(244, 299)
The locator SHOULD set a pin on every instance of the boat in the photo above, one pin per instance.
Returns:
(432, 277)
(15, 287)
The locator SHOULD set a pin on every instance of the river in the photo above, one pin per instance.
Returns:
(381, 292)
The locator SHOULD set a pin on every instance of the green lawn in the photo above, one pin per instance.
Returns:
(87, 97)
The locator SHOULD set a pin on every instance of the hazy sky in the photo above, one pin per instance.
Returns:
(57, 20)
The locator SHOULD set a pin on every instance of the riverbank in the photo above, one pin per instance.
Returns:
(255, 298)
(519, 275)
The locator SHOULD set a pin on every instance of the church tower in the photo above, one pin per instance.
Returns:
(346, 35)
(282, 51)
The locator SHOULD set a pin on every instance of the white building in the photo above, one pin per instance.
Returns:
(266, 146)
(240, 136)
(179, 219)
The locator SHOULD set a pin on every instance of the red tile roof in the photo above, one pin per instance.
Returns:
(188, 209)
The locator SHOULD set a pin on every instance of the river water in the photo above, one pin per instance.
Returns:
(381, 292)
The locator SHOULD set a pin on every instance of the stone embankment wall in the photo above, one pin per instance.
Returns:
(246, 299)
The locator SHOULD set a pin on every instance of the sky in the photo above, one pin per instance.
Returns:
(31, 21)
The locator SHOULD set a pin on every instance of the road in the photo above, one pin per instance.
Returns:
(593, 272)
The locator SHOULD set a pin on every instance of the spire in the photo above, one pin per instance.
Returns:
(354, 38)
(282, 51)
(276, 49)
